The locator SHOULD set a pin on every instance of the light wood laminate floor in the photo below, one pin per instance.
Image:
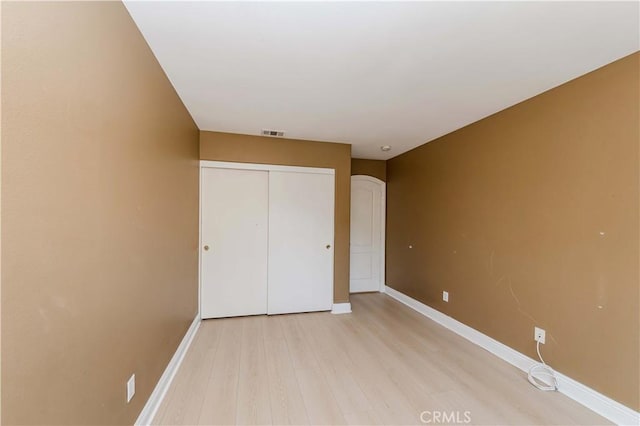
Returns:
(382, 364)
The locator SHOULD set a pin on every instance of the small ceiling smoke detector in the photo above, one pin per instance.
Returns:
(385, 148)
(275, 133)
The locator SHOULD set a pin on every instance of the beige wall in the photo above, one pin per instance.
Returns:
(375, 168)
(291, 152)
(530, 217)
(99, 214)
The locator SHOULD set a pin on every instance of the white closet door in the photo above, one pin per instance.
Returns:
(300, 242)
(234, 242)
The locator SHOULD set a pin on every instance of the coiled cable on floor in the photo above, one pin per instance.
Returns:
(538, 372)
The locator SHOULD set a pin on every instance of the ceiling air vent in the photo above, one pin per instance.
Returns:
(275, 133)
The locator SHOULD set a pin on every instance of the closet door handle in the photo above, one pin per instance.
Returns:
(328, 246)
(206, 248)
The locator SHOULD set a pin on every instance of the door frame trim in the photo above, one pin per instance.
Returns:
(265, 167)
(383, 224)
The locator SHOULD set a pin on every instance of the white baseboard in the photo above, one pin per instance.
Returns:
(341, 308)
(153, 403)
(595, 401)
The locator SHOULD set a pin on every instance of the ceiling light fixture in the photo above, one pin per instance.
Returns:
(385, 148)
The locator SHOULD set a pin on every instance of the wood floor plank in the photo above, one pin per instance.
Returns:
(334, 364)
(220, 402)
(301, 354)
(409, 360)
(320, 404)
(200, 379)
(184, 403)
(373, 377)
(287, 405)
(362, 418)
(221, 394)
(253, 405)
(382, 364)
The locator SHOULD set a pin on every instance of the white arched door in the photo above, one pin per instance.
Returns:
(367, 234)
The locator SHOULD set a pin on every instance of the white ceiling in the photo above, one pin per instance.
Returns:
(374, 73)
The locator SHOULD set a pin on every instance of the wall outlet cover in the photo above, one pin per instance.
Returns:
(539, 335)
(131, 387)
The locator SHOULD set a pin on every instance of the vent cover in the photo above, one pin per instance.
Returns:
(274, 133)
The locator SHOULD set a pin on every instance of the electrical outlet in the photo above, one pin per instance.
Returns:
(539, 335)
(445, 296)
(131, 387)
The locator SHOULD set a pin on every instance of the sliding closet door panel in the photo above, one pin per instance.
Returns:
(234, 242)
(300, 242)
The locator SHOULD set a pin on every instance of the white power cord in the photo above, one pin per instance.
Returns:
(538, 370)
